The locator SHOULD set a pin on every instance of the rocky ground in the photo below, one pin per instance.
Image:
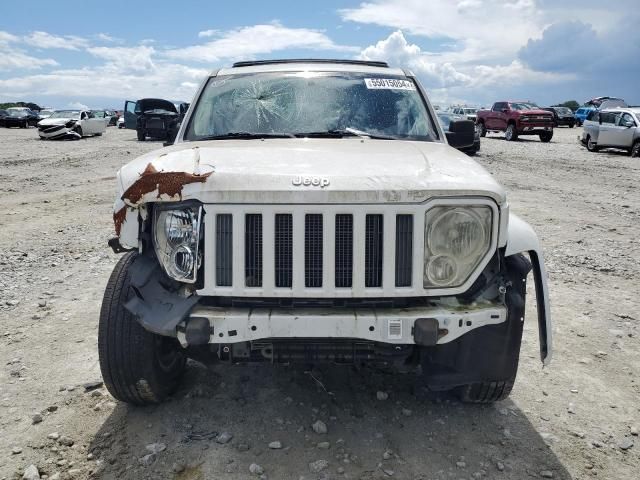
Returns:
(578, 418)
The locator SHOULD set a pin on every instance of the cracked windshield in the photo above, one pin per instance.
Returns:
(313, 104)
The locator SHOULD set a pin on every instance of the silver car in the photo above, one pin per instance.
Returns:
(614, 128)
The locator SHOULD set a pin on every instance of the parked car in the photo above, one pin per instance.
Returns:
(515, 119)
(582, 113)
(22, 118)
(469, 113)
(315, 211)
(616, 128)
(154, 117)
(446, 118)
(562, 116)
(71, 124)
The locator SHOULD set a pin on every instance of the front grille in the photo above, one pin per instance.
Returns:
(404, 250)
(224, 252)
(154, 123)
(301, 250)
(344, 251)
(373, 251)
(253, 250)
(313, 250)
(283, 254)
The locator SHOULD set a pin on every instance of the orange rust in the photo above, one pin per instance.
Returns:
(119, 218)
(169, 183)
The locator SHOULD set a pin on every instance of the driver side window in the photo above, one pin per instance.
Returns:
(625, 119)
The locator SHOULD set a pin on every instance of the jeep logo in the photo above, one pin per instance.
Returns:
(310, 181)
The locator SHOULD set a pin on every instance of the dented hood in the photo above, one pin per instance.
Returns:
(348, 170)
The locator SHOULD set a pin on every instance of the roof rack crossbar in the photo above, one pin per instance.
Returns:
(368, 63)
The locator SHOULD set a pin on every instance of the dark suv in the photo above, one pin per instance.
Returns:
(154, 117)
(562, 116)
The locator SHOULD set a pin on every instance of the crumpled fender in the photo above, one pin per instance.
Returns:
(522, 239)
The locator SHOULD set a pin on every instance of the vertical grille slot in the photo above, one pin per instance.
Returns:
(313, 250)
(344, 251)
(224, 249)
(253, 250)
(404, 250)
(283, 250)
(373, 251)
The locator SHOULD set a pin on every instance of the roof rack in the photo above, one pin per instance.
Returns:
(369, 63)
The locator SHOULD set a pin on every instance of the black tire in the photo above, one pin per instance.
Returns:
(141, 135)
(137, 366)
(485, 392)
(511, 134)
(78, 130)
(635, 150)
(98, 134)
(572, 124)
(482, 129)
(545, 137)
(592, 147)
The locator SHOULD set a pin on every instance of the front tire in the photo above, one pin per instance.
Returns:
(482, 129)
(141, 135)
(591, 146)
(485, 392)
(635, 150)
(511, 135)
(545, 137)
(137, 366)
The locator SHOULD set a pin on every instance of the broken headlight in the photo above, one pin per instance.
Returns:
(456, 240)
(70, 123)
(176, 238)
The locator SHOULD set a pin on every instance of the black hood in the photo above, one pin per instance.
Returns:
(148, 104)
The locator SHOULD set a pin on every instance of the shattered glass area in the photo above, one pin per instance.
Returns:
(304, 102)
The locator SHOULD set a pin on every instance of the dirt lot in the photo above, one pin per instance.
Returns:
(578, 418)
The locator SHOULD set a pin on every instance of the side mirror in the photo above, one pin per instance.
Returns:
(461, 134)
(505, 110)
(628, 124)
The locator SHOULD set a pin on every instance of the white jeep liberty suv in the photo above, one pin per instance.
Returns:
(315, 211)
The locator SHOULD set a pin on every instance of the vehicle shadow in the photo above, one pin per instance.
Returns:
(532, 138)
(412, 434)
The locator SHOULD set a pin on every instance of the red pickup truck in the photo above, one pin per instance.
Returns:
(515, 119)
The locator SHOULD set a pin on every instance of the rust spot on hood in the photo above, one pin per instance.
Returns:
(169, 183)
(119, 218)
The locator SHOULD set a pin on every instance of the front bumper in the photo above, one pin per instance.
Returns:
(57, 132)
(215, 325)
(534, 128)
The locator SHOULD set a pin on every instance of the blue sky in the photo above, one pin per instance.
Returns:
(99, 53)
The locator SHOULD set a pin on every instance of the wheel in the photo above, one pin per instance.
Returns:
(137, 366)
(572, 124)
(546, 137)
(511, 134)
(78, 130)
(635, 150)
(141, 135)
(98, 134)
(485, 392)
(591, 146)
(482, 129)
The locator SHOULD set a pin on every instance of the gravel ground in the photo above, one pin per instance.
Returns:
(578, 418)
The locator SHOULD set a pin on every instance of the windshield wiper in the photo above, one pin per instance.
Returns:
(345, 132)
(246, 136)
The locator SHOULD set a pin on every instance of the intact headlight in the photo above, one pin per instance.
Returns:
(456, 240)
(176, 238)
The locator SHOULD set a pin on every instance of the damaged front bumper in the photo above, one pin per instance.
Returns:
(58, 132)
(430, 325)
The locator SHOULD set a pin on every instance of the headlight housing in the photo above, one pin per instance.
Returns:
(456, 241)
(176, 238)
(70, 123)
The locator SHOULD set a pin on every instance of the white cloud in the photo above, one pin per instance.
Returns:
(126, 58)
(46, 40)
(108, 38)
(247, 42)
(208, 33)
(6, 37)
(77, 105)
